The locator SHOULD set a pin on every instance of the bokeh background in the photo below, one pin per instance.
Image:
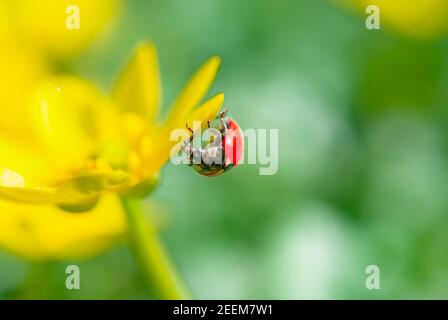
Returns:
(363, 164)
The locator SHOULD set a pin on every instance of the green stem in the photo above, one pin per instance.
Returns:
(150, 252)
(38, 283)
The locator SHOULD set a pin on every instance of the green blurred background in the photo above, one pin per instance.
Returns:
(363, 122)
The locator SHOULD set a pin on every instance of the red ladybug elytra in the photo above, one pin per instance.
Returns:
(219, 155)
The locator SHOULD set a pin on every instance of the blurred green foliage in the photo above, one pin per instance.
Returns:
(363, 122)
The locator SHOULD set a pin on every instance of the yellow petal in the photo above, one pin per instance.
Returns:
(20, 71)
(41, 232)
(81, 193)
(25, 172)
(420, 19)
(26, 160)
(68, 120)
(48, 25)
(5, 23)
(68, 116)
(207, 111)
(27, 177)
(31, 195)
(195, 90)
(138, 88)
(160, 152)
(77, 194)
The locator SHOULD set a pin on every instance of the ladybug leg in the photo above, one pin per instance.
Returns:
(189, 128)
(196, 156)
(212, 155)
(208, 123)
(222, 115)
(191, 153)
(186, 148)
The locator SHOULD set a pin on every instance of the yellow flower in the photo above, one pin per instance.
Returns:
(41, 25)
(20, 72)
(84, 147)
(30, 31)
(419, 18)
(44, 232)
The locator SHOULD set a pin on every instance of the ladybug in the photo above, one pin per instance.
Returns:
(218, 155)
